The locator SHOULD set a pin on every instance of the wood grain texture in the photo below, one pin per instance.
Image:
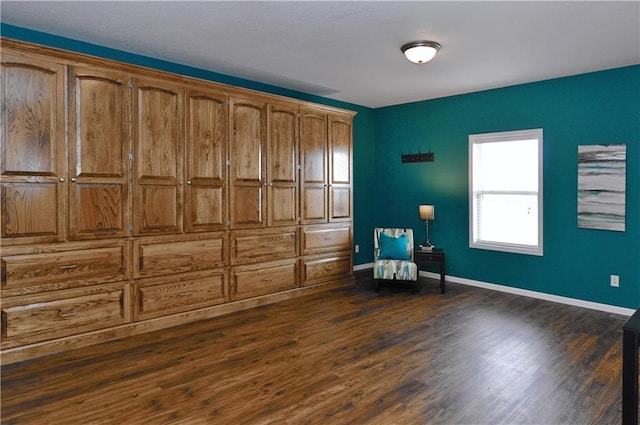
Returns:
(314, 183)
(33, 141)
(57, 314)
(206, 154)
(340, 169)
(158, 116)
(251, 246)
(247, 156)
(348, 356)
(282, 165)
(99, 142)
(51, 267)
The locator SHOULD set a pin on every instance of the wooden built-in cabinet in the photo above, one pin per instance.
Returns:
(134, 200)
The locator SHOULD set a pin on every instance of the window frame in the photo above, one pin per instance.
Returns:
(507, 136)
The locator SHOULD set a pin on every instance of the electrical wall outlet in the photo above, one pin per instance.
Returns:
(615, 280)
(357, 249)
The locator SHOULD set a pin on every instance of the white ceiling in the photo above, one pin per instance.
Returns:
(350, 50)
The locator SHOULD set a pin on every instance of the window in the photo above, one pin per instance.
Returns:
(505, 191)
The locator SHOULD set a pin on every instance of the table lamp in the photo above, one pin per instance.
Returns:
(427, 212)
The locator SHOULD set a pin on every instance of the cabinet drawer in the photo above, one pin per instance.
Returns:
(322, 268)
(322, 239)
(264, 278)
(63, 313)
(252, 248)
(429, 257)
(60, 267)
(178, 293)
(156, 257)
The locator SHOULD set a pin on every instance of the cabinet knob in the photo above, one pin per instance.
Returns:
(188, 181)
(73, 179)
(62, 179)
(180, 182)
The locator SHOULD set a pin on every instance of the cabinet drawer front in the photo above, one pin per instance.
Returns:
(175, 257)
(183, 294)
(320, 269)
(101, 265)
(254, 248)
(39, 321)
(426, 257)
(318, 239)
(252, 281)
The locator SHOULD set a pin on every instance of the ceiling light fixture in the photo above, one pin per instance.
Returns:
(420, 51)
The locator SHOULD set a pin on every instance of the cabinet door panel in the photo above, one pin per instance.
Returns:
(340, 166)
(33, 150)
(313, 159)
(340, 202)
(205, 193)
(158, 158)
(100, 104)
(158, 209)
(247, 163)
(247, 206)
(282, 166)
(314, 208)
(30, 210)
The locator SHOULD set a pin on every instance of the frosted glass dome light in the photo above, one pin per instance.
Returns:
(420, 51)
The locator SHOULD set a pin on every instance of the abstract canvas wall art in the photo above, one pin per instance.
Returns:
(602, 187)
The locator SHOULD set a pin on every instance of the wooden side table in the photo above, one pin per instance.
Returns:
(433, 257)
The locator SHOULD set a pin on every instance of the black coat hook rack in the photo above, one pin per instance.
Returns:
(419, 157)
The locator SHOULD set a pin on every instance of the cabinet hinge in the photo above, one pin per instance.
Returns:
(228, 162)
(130, 84)
(299, 167)
(130, 157)
(131, 227)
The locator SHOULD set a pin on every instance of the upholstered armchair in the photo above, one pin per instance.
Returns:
(393, 257)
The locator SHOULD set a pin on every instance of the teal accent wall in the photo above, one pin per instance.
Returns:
(363, 124)
(594, 108)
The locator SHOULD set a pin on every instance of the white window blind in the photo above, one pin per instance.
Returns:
(506, 191)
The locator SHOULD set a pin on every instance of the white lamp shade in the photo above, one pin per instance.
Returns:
(420, 51)
(427, 212)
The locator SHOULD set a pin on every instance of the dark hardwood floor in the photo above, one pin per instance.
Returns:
(347, 356)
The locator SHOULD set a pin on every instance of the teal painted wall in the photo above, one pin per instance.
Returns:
(595, 108)
(601, 107)
(363, 125)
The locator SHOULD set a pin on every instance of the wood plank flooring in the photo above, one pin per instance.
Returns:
(347, 356)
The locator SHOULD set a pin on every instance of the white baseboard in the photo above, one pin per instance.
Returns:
(525, 292)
